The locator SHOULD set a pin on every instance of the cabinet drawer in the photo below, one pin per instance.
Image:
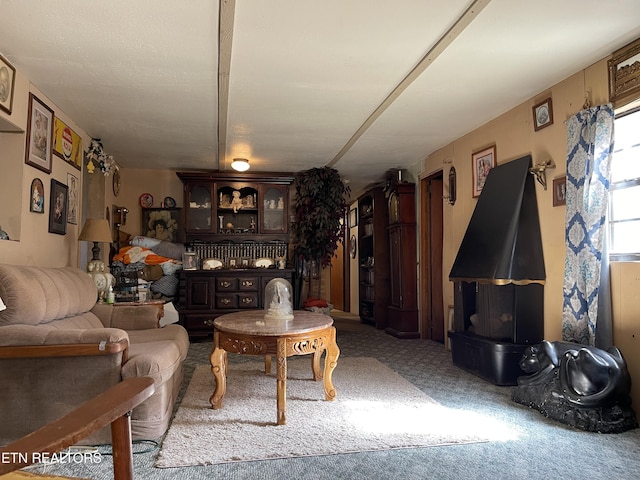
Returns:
(248, 300)
(197, 323)
(248, 284)
(226, 300)
(226, 284)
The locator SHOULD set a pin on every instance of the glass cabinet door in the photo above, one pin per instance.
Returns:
(274, 209)
(199, 208)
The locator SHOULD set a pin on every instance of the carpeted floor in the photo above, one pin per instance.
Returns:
(535, 447)
(375, 409)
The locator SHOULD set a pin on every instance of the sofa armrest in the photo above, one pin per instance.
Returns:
(129, 316)
(24, 341)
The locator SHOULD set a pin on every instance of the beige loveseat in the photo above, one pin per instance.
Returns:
(59, 348)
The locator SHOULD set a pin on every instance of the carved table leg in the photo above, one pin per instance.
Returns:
(219, 370)
(281, 382)
(315, 365)
(267, 364)
(330, 362)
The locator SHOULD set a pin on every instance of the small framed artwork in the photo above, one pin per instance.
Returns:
(189, 261)
(58, 208)
(36, 204)
(560, 191)
(161, 224)
(542, 114)
(72, 203)
(39, 135)
(67, 144)
(482, 162)
(353, 217)
(7, 82)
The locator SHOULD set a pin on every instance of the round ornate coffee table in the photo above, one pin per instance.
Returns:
(248, 333)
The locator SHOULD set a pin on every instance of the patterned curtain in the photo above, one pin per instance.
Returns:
(589, 148)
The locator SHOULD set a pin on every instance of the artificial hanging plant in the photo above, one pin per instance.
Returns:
(320, 208)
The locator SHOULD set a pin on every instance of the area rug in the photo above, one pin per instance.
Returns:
(375, 409)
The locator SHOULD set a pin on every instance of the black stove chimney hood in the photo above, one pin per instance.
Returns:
(502, 244)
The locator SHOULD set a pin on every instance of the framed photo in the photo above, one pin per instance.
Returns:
(189, 261)
(58, 208)
(542, 114)
(36, 202)
(7, 84)
(560, 191)
(67, 144)
(353, 217)
(39, 135)
(162, 224)
(482, 162)
(72, 204)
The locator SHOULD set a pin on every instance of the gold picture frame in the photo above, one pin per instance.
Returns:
(624, 74)
(39, 135)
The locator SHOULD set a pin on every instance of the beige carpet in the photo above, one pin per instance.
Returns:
(375, 409)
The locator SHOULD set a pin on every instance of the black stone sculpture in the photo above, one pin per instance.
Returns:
(578, 385)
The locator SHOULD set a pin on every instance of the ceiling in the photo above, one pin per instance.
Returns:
(357, 85)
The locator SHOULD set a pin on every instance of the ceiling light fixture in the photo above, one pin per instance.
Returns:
(240, 164)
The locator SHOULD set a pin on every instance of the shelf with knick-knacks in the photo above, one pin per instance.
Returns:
(224, 205)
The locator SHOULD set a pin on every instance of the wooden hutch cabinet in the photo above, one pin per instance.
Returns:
(238, 226)
(373, 247)
(403, 302)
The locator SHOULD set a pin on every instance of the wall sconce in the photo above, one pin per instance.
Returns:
(540, 172)
(452, 186)
(240, 164)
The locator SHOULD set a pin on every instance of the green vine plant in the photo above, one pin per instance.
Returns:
(320, 208)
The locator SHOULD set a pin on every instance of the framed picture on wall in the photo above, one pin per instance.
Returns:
(162, 224)
(560, 191)
(353, 217)
(7, 84)
(67, 144)
(72, 204)
(542, 114)
(36, 202)
(482, 162)
(58, 208)
(39, 135)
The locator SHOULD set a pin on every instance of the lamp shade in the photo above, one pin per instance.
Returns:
(96, 230)
(240, 164)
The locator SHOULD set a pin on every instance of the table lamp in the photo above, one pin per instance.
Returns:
(97, 230)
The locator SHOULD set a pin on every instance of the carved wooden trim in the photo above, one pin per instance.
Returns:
(624, 74)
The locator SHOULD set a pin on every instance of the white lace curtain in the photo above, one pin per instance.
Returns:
(589, 148)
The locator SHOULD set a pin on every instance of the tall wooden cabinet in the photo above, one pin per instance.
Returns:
(240, 224)
(403, 300)
(373, 247)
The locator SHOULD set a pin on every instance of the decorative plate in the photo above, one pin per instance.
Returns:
(264, 262)
(116, 182)
(211, 263)
(169, 202)
(146, 200)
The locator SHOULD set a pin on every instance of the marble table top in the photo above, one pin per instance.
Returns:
(252, 322)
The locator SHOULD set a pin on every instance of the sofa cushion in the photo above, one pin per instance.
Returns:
(158, 360)
(36, 295)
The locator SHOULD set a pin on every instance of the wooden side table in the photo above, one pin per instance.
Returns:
(248, 333)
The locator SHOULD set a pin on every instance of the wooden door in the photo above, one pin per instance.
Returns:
(431, 253)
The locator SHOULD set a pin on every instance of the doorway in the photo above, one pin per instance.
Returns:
(431, 248)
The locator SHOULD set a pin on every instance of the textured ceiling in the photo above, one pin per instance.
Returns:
(293, 84)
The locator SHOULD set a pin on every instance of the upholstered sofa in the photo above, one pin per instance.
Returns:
(59, 348)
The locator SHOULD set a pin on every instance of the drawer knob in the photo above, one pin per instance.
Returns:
(225, 284)
(225, 301)
(247, 300)
(209, 322)
(247, 283)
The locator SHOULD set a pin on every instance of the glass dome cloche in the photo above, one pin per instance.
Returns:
(278, 303)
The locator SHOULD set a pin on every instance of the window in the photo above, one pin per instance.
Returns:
(624, 213)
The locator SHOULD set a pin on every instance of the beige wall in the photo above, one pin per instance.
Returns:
(31, 243)
(514, 136)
